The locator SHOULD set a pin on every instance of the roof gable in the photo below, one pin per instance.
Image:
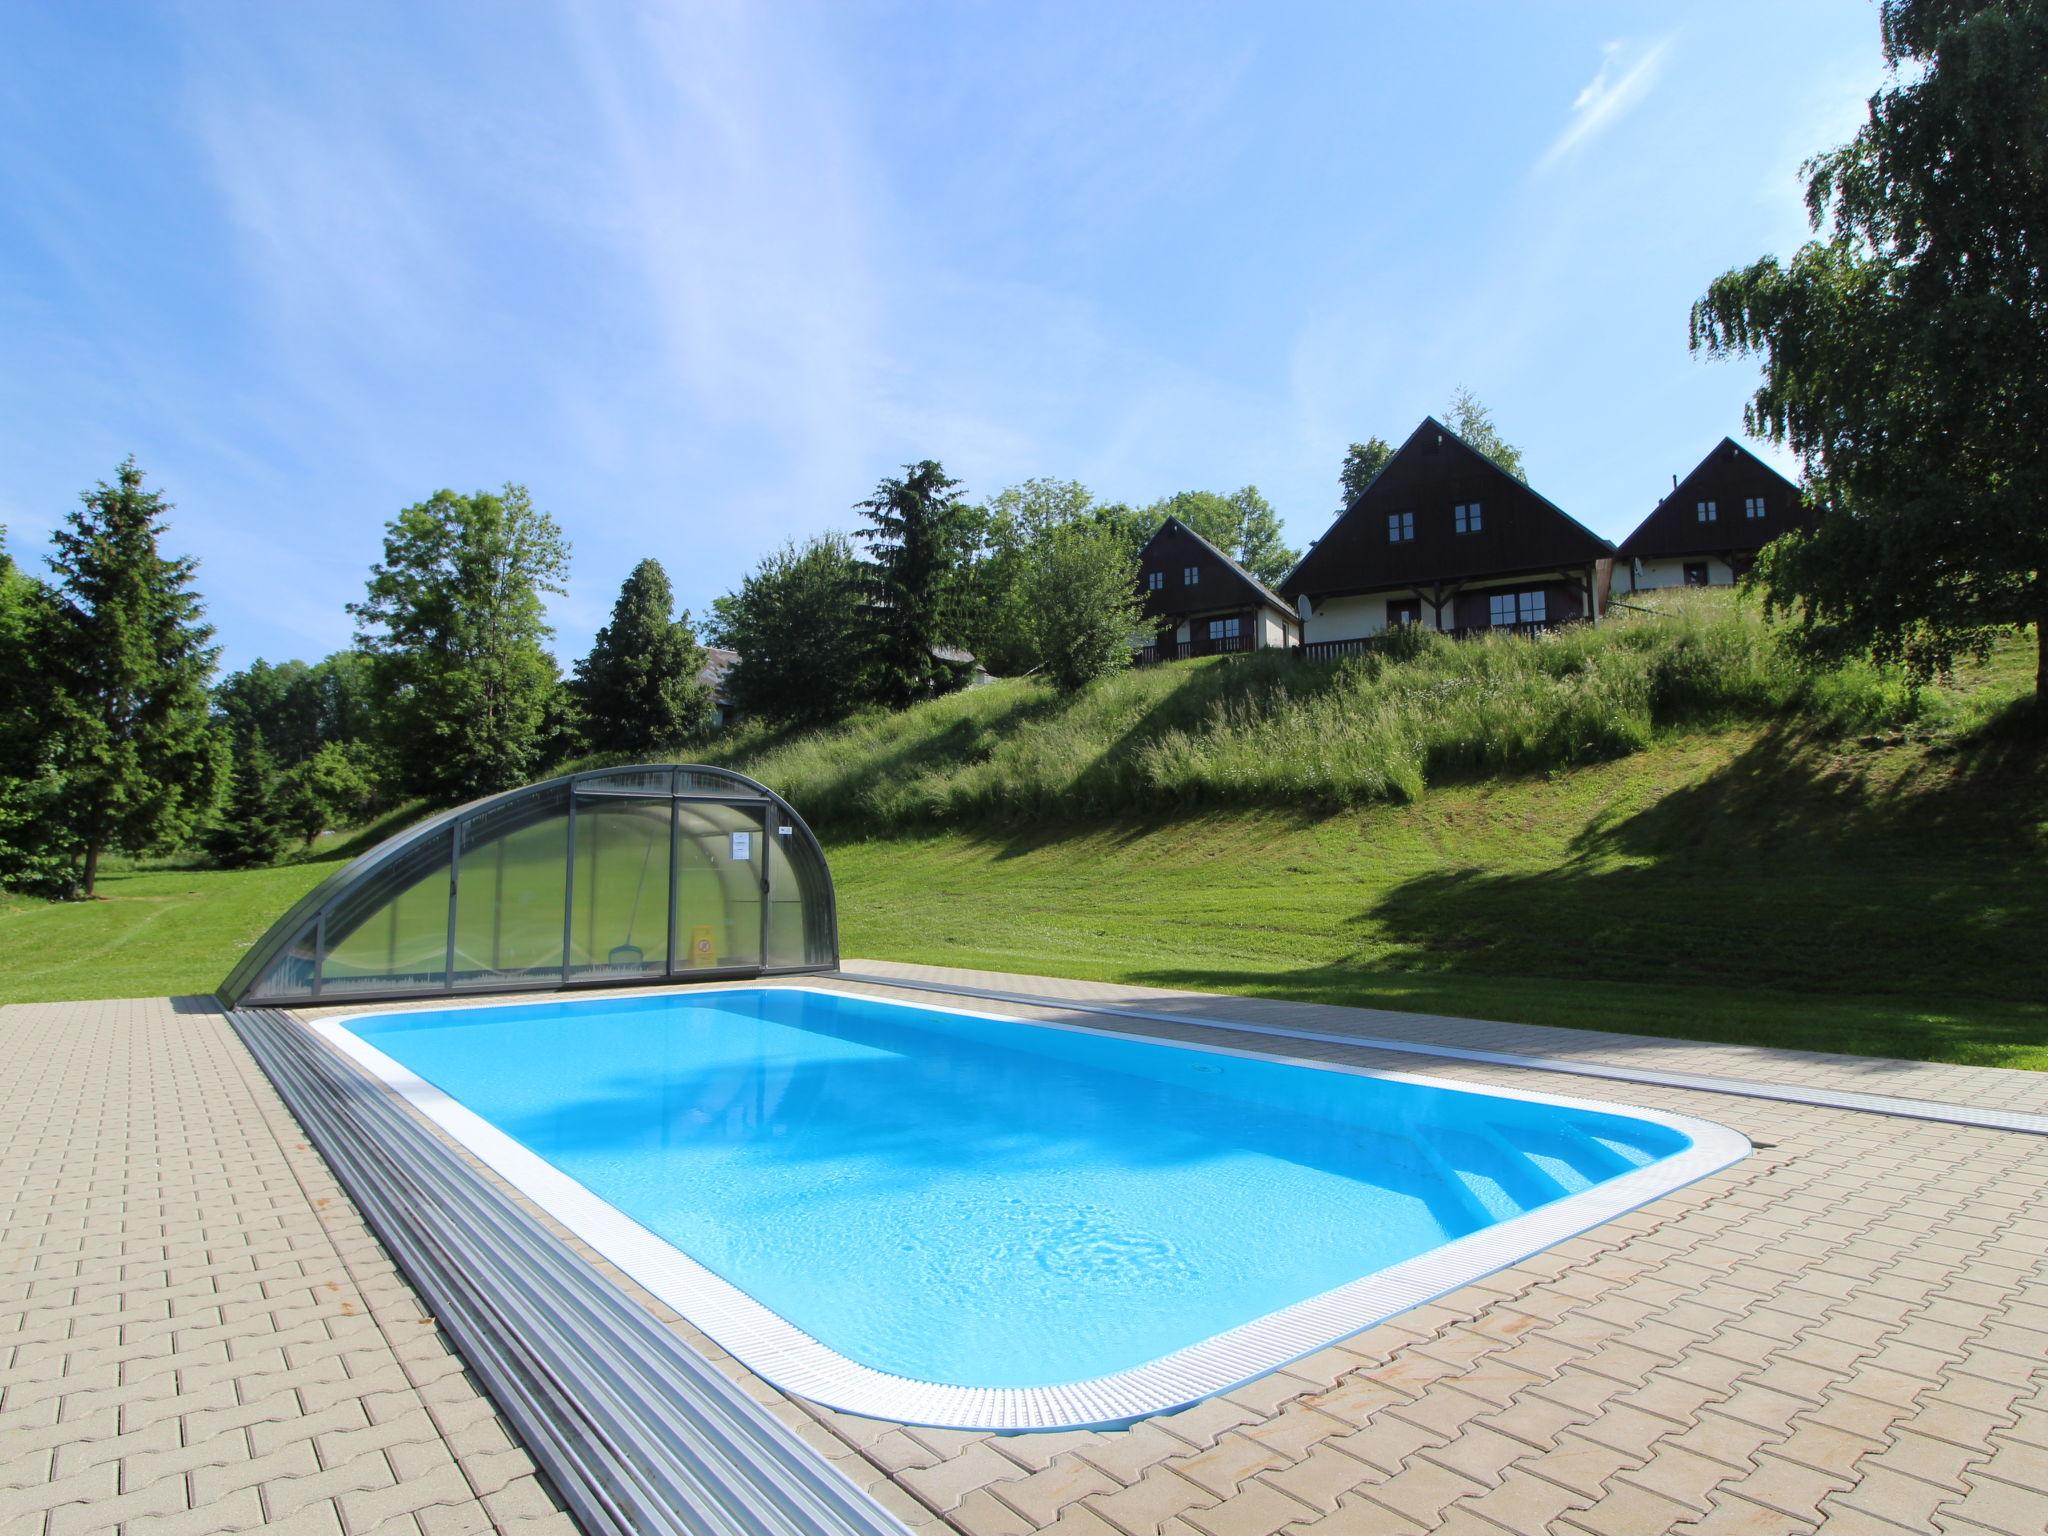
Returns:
(1432, 472)
(1729, 475)
(1170, 546)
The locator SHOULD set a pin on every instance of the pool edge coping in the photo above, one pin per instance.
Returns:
(795, 1362)
(1901, 1106)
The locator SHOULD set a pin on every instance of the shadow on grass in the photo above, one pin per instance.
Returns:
(1789, 898)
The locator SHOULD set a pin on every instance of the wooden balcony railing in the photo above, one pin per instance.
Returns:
(1337, 650)
(1181, 650)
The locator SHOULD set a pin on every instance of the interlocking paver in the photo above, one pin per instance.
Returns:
(1846, 1326)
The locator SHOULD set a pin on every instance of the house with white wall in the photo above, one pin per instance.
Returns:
(1707, 532)
(1445, 537)
(1200, 602)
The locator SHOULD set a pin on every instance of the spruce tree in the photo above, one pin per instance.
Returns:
(251, 831)
(33, 846)
(129, 657)
(918, 542)
(639, 687)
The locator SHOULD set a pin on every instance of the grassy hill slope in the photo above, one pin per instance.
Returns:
(1664, 827)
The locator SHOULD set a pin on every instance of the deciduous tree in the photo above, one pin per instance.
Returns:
(1362, 461)
(457, 633)
(1474, 423)
(1081, 590)
(1905, 350)
(796, 623)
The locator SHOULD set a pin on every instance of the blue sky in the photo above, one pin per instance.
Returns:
(699, 275)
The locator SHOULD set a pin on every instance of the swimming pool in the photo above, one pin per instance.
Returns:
(952, 1217)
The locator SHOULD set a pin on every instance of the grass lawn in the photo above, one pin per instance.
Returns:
(153, 933)
(1733, 887)
(1884, 896)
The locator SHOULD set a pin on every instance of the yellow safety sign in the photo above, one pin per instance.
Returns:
(703, 948)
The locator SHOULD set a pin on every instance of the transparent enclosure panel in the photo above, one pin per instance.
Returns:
(291, 973)
(788, 899)
(639, 781)
(390, 932)
(719, 860)
(619, 920)
(509, 894)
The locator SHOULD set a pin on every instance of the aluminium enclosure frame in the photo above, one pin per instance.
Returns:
(305, 923)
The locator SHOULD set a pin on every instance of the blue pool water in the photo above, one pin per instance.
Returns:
(988, 1203)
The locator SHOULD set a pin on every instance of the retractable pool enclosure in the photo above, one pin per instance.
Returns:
(654, 873)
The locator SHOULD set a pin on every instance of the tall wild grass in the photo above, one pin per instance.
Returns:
(1270, 730)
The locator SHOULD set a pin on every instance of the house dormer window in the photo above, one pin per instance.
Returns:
(1465, 517)
(1400, 527)
(1155, 581)
(1707, 511)
(1752, 506)
(1190, 575)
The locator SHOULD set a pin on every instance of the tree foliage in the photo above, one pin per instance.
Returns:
(797, 624)
(35, 853)
(299, 708)
(341, 785)
(1905, 350)
(1080, 588)
(128, 656)
(1362, 462)
(997, 620)
(1242, 524)
(1472, 421)
(251, 830)
(639, 689)
(457, 633)
(920, 537)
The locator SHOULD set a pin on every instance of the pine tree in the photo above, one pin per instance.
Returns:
(639, 686)
(251, 830)
(918, 545)
(129, 656)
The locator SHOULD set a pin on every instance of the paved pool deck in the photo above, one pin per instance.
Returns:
(1847, 1331)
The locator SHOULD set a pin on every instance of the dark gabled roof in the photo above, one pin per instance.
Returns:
(1523, 530)
(1264, 593)
(1729, 470)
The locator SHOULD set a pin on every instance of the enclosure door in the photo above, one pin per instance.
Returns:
(721, 878)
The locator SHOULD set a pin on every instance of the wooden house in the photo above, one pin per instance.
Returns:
(1707, 532)
(1200, 602)
(1443, 536)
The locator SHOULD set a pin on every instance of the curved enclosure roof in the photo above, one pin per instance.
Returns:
(659, 872)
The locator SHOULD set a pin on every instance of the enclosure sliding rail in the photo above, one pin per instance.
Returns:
(640, 1436)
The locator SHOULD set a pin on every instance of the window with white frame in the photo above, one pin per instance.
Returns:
(1190, 575)
(1465, 517)
(1400, 527)
(1752, 506)
(1707, 511)
(1156, 580)
(1531, 607)
(1225, 629)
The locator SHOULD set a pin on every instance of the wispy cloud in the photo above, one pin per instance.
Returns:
(1626, 73)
